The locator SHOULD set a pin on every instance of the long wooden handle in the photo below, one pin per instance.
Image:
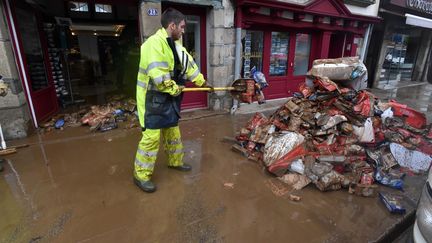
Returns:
(208, 89)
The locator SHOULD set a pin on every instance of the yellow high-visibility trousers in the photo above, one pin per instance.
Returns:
(148, 148)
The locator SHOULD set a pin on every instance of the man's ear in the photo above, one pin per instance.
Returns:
(172, 26)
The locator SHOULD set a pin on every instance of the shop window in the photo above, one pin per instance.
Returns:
(78, 6)
(302, 52)
(400, 55)
(191, 38)
(103, 8)
(279, 54)
(252, 51)
(32, 49)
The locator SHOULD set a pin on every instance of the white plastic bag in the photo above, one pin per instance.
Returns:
(297, 166)
(366, 133)
(412, 159)
(280, 144)
(387, 113)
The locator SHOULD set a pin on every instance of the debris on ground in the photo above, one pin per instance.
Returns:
(12, 149)
(7, 151)
(3, 87)
(334, 134)
(98, 117)
(276, 187)
(294, 198)
(392, 202)
(229, 185)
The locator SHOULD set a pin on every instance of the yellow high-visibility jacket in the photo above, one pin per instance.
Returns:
(158, 99)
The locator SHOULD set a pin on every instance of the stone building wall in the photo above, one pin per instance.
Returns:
(221, 52)
(14, 113)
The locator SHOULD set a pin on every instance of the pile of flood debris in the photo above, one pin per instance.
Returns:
(98, 117)
(338, 137)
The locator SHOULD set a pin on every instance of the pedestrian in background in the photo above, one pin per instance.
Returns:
(164, 67)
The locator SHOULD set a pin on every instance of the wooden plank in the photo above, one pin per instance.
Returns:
(227, 139)
(18, 146)
(7, 151)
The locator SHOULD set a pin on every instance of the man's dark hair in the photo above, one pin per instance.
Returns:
(171, 15)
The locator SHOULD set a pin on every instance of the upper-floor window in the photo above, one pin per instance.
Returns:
(78, 6)
(103, 8)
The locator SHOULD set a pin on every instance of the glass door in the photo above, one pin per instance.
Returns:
(191, 38)
(279, 54)
(277, 58)
(194, 42)
(301, 54)
(288, 61)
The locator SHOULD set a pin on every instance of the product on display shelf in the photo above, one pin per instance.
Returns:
(55, 62)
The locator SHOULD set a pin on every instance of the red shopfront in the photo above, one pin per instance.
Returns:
(282, 39)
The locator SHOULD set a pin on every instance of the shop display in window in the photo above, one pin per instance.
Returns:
(279, 54)
(252, 52)
(400, 55)
(55, 56)
(36, 69)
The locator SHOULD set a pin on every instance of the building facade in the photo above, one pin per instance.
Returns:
(56, 53)
(282, 38)
(401, 47)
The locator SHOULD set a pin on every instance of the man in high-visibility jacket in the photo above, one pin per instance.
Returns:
(164, 67)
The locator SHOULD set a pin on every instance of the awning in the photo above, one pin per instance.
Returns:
(418, 21)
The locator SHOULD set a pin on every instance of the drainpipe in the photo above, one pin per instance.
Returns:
(3, 143)
(366, 43)
(237, 60)
(343, 46)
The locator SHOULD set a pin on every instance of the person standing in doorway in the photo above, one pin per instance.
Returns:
(164, 67)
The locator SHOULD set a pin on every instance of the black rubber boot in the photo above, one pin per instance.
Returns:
(184, 167)
(146, 186)
(1, 165)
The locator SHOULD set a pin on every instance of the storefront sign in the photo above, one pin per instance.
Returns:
(424, 6)
(152, 12)
(421, 5)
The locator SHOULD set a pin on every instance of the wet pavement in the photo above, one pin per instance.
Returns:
(417, 96)
(76, 186)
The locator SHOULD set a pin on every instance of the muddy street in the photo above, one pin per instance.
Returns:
(76, 186)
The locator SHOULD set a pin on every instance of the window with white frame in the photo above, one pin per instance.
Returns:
(103, 8)
(78, 6)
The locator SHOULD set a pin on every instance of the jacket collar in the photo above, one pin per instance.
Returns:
(162, 33)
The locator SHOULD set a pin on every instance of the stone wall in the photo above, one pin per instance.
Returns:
(221, 53)
(149, 24)
(14, 114)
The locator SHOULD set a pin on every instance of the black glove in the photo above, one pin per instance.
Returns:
(179, 91)
(205, 85)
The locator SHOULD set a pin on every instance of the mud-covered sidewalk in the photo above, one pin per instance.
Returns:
(76, 186)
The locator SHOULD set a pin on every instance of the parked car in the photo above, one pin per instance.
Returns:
(422, 232)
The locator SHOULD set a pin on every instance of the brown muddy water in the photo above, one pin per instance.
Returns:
(76, 186)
